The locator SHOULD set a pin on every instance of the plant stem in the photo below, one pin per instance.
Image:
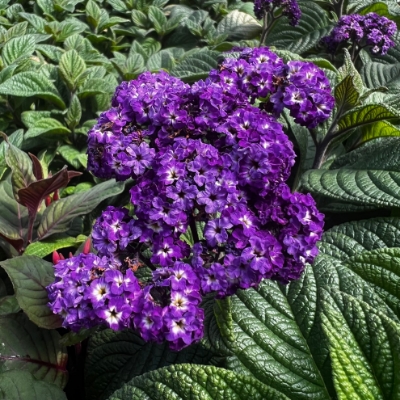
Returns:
(194, 229)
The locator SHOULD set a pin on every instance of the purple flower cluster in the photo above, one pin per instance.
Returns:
(290, 9)
(370, 30)
(212, 211)
(298, 86)
(88, 292)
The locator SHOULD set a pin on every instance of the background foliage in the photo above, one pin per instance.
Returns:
(332, 334)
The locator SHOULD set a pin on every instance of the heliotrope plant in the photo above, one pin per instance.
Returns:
(212, 210)
(370, 31)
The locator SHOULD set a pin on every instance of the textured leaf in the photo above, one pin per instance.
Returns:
(238, 25)
(381, 269)
(196, 66)
(313, 26)
(74, 113)
(46, 247)
(59, 215)
(377, 74)
(9, 305)
(71, 66)
(194, 381)
(366, 187)
(25, 347)
(364, 115)
(28, 84)
(21, 385)
(18, 48)
(116, 357)
(364, 348)
(157, 17)
(47, 126)
(21, 167)
(161, 60)
(71, 155)
(377, 130)
(30, 275)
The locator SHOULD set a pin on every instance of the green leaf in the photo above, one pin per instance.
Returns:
(74, 113)
(21, 167)
(93, 13)
(59, 215)
(94, 86)
(9, 305)
(18, 48)
(194, 381)
(21, 385)
(30, 275)
(15, 139)
(71, 155)
(364, 348)
(161, 60)
(37, 22)
(139, 18)
(24, 346)
(364, 115)
(381, 269)
(313, 26)
(116, 357)
(28, 84)
(45, 247)
(377, 74)
(47, 126)
(71, 66)
(238, 25)
(159, 20)
(366, 187)
(378, 130)
(196, 66)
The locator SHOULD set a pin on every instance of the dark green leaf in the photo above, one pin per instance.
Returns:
(238, 25)
(30, 275)
(21, 385)
(194, 381)
(47, 126)
(71, 66)
(28, 84)
(9, 305)
(74, 113)
(59, 215)
(116, 357)
(159, 20)
(26, 347)
(18, 48)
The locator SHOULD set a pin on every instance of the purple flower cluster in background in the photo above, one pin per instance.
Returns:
(212, 211)
(290, 9)
(370, 30)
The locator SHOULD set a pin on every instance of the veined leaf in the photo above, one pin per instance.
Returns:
(26, 347)
(59, 215)
(313, 26)
(364, 348)
(46, 247)
(377, 130)
(28, 84)
(71, 66)
(238, 25)
(116, 357)
(74, 113)
(21, 385)
(366, 187)
(364, 115)
(30, 275)
(9, 305)
(186, 381)
(47, 126)
(196, 66)
(18, 48)
(159, 20)
(377, 74)
(71, 155)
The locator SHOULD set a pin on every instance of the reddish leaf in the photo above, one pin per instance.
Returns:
(37, 167)
(33, 195)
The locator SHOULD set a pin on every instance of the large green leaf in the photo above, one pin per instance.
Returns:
(46, 247)
(47, 126)
(26, 347)
(18, 48)
(238, 25)
(71, 66)
(30, 275)
(59, 215)
(376, 74)
(181, 382)
(365, 187)
(21, 385)
(116, 357)
(196, 66)
(364, 348)
(28, 84)
(314, 25)
(381, 268)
